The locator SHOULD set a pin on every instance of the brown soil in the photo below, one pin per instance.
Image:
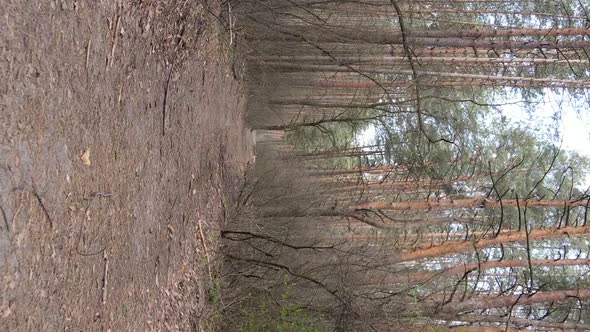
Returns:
(118, 238)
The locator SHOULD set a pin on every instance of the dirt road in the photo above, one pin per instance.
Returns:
(121, 139)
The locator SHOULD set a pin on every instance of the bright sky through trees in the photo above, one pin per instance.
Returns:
(573, 123)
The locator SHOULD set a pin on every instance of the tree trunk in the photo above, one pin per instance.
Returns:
(452, 247)
(477, 202)
(502, 301)
(566, 326)
(461, 269)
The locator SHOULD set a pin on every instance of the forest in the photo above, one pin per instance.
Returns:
(409, 175)
(295, 165)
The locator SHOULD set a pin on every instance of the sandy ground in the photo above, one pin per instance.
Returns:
(122, 140)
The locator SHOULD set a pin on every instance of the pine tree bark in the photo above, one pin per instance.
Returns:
(502, 301)
(452, 247)
(544, 324)
(477, 202)
(461, 269)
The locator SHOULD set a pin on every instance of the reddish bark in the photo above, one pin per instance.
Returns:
(495, 301)
(451, 247)
(459, 270)
(476, 202)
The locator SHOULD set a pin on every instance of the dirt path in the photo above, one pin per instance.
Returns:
(113, 241)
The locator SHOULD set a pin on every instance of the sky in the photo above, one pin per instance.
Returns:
(574, 126)
(574, 123)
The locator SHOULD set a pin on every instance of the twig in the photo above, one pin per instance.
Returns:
(120, 95)
(105, 280)
(249, 235)
(88, 53)
(165, 100)
(99, 194)
(5, 219)
(116, 38)
(205, 248)
(231, 33)
(40, 201)
(15, 215)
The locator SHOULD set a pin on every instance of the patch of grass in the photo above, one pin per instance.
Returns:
(214, 295)
(286, 318)
(279, 316)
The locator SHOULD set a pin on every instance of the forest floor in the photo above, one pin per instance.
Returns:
(122, 141)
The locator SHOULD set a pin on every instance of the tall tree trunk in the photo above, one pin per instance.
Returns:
(453, 247)
(388, 60)
(456, 37)
(476, 202)
(460, 269)
(502, 301)
(537, 324)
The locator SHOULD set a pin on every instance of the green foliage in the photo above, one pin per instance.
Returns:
(329, 135)
(286, 318)
(283, 316)
(213, 294)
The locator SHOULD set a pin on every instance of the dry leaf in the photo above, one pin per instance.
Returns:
(86, 157)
